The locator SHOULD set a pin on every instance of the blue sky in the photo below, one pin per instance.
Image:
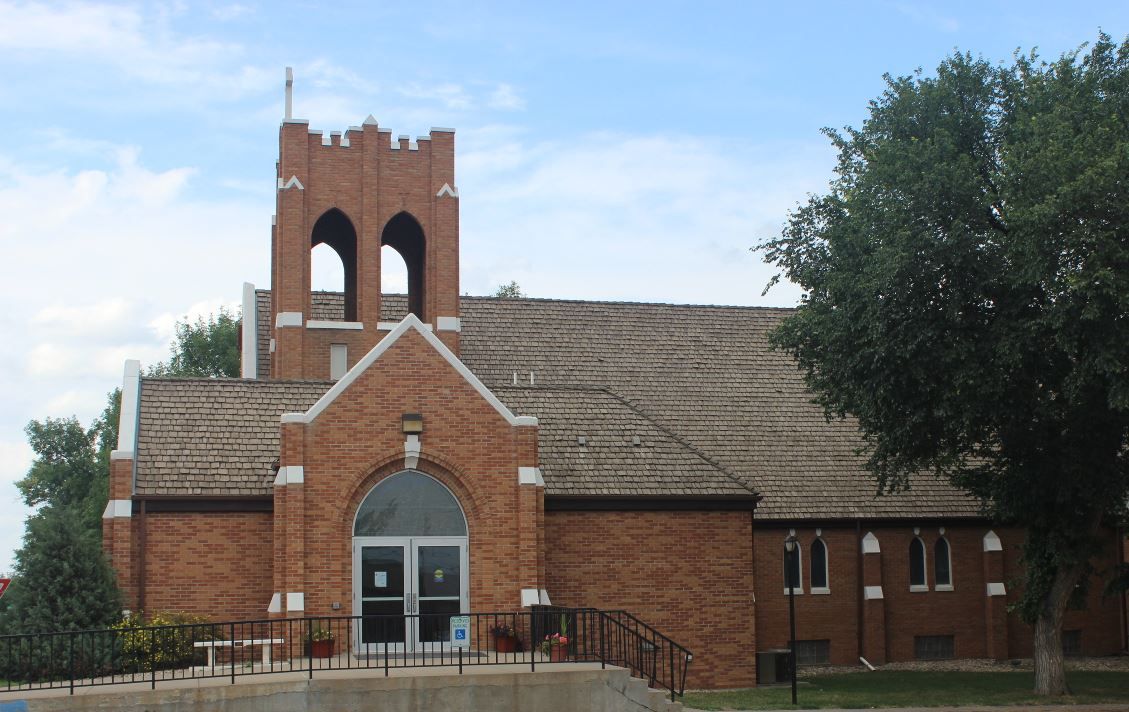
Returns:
(628, 151)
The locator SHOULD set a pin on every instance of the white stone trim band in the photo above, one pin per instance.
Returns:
(127, 421)
(996, 589)
(118, 508)
(250, 367)
(448, 323)
(290, 475)
(322, 324)
(992, 542)
(872, 593)
(390, 325)
(870, 544)
(288, 319)
(411, 451)
(121, 455)
(530, 476)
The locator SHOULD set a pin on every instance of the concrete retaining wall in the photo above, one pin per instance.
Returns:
(596, 690)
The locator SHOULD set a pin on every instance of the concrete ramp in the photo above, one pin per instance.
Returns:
(554, 690)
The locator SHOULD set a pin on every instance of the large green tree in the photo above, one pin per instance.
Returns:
(62, 579)
(206, 348)
(966, 300)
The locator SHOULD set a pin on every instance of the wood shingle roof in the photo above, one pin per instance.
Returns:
(714, 410)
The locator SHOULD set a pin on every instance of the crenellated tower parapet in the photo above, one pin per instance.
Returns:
(357, 191)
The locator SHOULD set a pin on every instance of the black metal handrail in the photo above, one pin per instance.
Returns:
(233, 649)
(618, 638)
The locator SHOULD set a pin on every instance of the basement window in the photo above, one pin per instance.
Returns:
(933, 647)
(1072, 642)
(813, 652)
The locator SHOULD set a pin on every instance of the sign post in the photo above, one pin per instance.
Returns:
(4, 585)
(460, 636)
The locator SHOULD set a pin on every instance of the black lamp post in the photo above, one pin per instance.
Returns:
(790, 550)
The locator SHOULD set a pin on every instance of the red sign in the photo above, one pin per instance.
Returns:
(4, 585)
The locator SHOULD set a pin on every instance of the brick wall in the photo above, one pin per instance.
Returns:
(1101, 621)
(358, 440)
(964, 613)
(370, 183)
(687, 574)
(214, 564)
(832, 616)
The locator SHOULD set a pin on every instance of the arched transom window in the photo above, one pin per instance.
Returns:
(410, 504)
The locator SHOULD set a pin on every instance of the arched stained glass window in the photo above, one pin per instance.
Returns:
(917, 564)
(410, 504)
(793, 564)
(818, 564)
(942, 564)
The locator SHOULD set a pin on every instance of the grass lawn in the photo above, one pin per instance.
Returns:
(915, 689)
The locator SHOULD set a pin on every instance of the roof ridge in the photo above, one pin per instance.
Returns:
(564, 300)
(678, 438)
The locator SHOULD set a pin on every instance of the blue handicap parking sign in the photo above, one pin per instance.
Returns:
(460, 631)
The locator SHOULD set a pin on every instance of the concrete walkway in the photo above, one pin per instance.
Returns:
(996, 708)
(241, 678)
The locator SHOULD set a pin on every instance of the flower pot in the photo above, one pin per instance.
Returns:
(558, 653)
(321, 649)
(505, 644)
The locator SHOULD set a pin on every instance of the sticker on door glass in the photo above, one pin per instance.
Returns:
(438, 575)
(381, 579)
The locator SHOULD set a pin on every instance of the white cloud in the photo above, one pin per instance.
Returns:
(448, 95)
(84, 318)
(600, 216)
(15, 460)
(227, 13)
(505, 98)
(928, 16)
(50, 360)
(80, 37)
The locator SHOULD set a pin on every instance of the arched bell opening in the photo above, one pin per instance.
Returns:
(410, 563)
(335, 230)
(404, 234)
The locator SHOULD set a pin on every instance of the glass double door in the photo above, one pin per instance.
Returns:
(406, 590)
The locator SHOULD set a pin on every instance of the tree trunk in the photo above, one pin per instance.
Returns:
(1050, 675)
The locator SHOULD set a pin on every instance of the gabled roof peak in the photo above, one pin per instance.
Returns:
(411, 321)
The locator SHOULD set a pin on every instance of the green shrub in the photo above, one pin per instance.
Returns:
(165, 641)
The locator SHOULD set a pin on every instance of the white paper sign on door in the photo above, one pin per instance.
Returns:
(381, 579)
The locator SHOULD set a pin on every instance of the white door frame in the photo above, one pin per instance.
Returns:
(410, 546)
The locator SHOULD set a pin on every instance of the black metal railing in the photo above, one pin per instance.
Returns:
(153, 654)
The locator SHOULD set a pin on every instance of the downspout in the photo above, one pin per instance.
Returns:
(858, 588)
(753, 562)
(141, 560)
(1124, 594)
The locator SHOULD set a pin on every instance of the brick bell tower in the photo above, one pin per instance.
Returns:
(356, 192)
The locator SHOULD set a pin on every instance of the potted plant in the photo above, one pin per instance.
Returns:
(321, 643)
(556, 645)
(505, 638)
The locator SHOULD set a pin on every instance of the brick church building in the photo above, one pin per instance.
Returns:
(646, 457)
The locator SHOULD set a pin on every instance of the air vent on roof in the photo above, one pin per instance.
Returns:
(581, 441)
(636, 441)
